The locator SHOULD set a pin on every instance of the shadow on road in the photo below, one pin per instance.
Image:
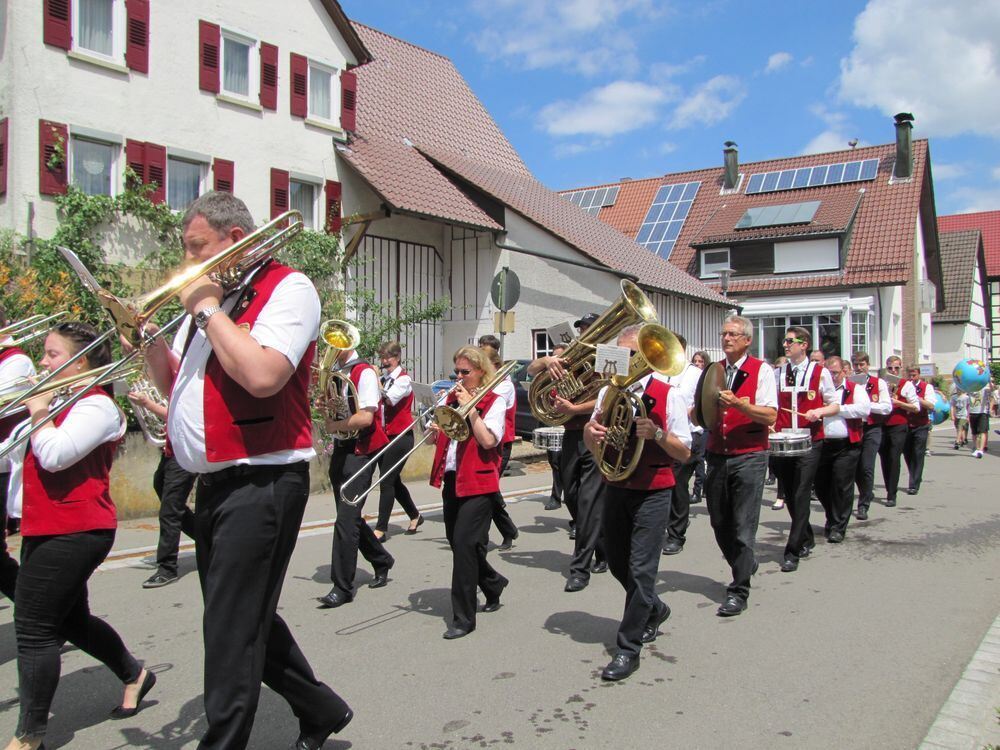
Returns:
(582, 627)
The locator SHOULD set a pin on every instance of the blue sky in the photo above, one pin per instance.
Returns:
(590, 91)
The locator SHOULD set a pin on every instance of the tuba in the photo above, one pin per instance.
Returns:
(581, 383)
(339, 336)
(154, 429)
(618, 455)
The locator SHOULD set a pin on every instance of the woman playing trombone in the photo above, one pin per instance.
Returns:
(468, 471)
(60, 481)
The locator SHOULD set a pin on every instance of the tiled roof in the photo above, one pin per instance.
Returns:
(880, 240)
(959, 251)
(988, 223)
(591, 236)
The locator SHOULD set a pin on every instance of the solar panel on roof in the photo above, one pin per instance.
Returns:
(822, 174)
(665, 217)
(776, 216)
(592, 200)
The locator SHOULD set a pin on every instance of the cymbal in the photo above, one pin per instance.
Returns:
(706, 397)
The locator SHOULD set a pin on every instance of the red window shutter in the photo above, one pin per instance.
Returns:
(137, 36)
(348, 100)
(224, 174)
(52, 136)
(279, 192)
(3, 156)
(333, 221)
(156, 172)
(57, 23)
(209, 56)
(268, 76)
(135, 158)
(300, 85)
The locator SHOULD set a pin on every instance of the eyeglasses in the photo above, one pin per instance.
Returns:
(893, 368)
(793, 341)
(463, 373)
(731, 334)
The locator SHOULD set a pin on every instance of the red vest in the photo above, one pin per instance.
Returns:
(399, 418)
(11, 421)
(921, 418)
(873, 394)
(898, 416)
(736, 433)
(372, 438)
(78, 498)
(855, 427)
(477, 468)
(655, 470)
(239, 425)
(509, 434)
(805, 403)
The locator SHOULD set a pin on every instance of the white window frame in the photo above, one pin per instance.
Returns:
(334, 72)
(318, 198)
(118, 22)
(253, 65)
(710, 270)
(201, 162)
(535, 349)
(116, 156)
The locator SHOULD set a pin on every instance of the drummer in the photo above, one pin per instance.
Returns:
(806, 395)
(555, 501)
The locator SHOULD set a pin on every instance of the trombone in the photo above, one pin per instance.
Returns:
(29, 329)
(452, 421)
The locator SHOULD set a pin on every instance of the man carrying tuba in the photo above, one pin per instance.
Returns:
(636, 508)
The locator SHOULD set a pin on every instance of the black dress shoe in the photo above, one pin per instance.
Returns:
(912, 491)
(600, 567)
(493, 603)
(890, 503)
(334, 599)
(413, 529)
(506, 544)
(733, 606)
(836, 537)
(158, 579)
(789, 565)
(452, 633)
(620, 667)
(672, 547)
(696, 498)
(652, 627)
(576, 584)
(120, 712)
(862, 514)
(381, 579)
(553, 504)
(315, 740)
(572, 532)
(805, 552)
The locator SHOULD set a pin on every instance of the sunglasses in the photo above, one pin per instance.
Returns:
(793, 341)
(893, 369)
(463, 373)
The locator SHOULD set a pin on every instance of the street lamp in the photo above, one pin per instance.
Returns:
(724, 274)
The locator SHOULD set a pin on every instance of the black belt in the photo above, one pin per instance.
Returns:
(836, 440)
(242, 471)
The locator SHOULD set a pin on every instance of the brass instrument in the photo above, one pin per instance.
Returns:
(340, 336)
(29, 329)
(581, 383)
(153, 427)
(452, 421)
(618, 454)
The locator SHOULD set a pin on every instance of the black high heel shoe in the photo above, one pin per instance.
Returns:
(120, 712)
(413, 530)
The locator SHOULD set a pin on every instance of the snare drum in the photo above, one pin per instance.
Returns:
(790, 443)
(548, 438)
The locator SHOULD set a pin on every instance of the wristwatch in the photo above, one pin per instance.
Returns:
(201, 317)
(658, 435)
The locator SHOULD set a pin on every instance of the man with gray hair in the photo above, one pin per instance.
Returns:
(737, 457)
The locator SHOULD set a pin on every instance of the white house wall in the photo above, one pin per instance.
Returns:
(925, 343)
(892, 320)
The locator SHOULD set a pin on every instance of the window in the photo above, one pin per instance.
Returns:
(541, 343)
(302, 198)
(184, 182)
(825, 330)
(859, 331)
(714, 260)
(749, 259)
(95, 26)
(321, 96)
(92, 166)
(239, 66)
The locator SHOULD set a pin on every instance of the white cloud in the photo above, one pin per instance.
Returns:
(619, 107)
(996, 173)
(667, 147)
(568, 150)
(971, 200)
(944, 171)
(837, 133)
(663, 72)
(939, 61)
(777, 61)
(712, 102)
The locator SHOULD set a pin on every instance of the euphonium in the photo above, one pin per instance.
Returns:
(618, 455)
(580, 382)
(339, 336)
(153, 427)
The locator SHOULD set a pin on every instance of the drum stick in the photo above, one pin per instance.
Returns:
(792, 411)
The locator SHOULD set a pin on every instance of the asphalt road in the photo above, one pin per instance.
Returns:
(858, 649)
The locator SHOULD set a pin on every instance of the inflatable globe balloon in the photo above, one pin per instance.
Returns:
(942, 409)
(971, 375)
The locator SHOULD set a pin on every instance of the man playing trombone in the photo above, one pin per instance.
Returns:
(239, 417)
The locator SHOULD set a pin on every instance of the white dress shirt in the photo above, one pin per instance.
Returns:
(505, 390)
(687, 383)
(766, 394)
(13, 371)
(91, 421)
(287, 323)
(677, 411)
(495, 419)
(400, 386)
(884, 403)
(908, 393)
(369, 393)
(803, 373)
(835, 427)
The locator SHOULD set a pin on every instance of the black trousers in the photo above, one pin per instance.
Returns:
(914, 452)
(835, 482)
(554, 459)
(350, 532)
(467, 525)
(172, 485)
(734, 488)
(51, 607)
(246, 526)
(865, 474)
(574, 462)
(501, 518)
(391, 488)
(589, 512)
(698, 490)
(8, 565)
(893, 439)
(680, 501)
(798, 473)
(634, 524)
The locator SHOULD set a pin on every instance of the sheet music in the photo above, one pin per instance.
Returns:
(612, 360)
(561, 333)
(860, 378)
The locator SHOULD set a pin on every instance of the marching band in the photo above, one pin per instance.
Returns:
(242, 384)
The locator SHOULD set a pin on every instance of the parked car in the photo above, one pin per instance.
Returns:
(525, 422)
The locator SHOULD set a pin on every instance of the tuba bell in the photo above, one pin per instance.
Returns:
(339, 336)
(581, 383)
(618, 455)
